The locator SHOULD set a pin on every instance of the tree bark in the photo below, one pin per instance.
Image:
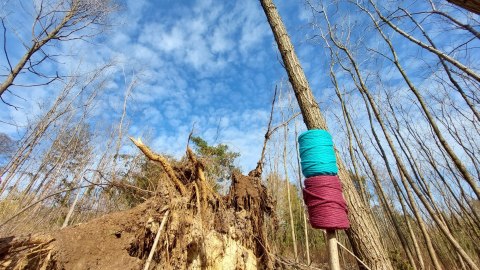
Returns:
(363, 233)
(470, 5)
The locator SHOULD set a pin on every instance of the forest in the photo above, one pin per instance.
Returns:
(183, 151)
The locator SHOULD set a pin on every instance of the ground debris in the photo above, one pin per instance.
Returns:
(204, 230)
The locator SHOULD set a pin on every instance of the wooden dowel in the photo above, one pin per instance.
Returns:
(155, 242)
(334, 261)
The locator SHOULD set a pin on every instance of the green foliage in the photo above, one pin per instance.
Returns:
(218, 160)
(140, 180)
(145, 177)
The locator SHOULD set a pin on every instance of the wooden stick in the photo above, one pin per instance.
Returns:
(334, 261)
(155, 242)
(355, 256)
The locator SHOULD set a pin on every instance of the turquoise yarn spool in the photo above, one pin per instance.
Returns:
(316, 153)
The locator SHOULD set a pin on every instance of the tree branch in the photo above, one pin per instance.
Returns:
(166, 166)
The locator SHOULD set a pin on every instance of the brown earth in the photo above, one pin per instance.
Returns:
(203, 231)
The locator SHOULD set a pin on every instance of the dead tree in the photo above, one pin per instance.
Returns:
(363, 234)
(54, 21)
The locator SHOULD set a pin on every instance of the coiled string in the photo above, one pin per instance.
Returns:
(316, 153)
(322, 193)
(326, 207)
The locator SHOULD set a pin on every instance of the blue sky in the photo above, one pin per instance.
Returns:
(212, 63)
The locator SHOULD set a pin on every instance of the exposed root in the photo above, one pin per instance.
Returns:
(166, 166)
(29, 252)
(201, 181)
(251, 201)
(203, 230)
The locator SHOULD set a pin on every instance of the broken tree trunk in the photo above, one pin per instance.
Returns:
(363, 234)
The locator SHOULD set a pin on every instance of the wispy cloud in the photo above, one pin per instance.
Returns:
(205, 62)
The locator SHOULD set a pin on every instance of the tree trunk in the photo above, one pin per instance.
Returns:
(37, 45)
(72, 207)
(470, 5)
(289, 197)
(363, 233)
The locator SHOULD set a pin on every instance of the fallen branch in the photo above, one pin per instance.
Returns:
(166, 166)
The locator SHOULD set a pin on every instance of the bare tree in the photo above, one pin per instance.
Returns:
(456, 160)
(363, 234)
(287, 183)
(54, 21)
(422, 120)
(65, 106)
(7, 146)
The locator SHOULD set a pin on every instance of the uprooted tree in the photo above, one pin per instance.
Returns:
(199, 228)
(424, 204)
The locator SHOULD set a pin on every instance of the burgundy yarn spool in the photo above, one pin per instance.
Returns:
(327, 208)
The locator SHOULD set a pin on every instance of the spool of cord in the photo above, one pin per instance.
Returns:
(327, 208)
(317, 153)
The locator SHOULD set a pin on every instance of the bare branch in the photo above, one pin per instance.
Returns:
(160, 159)
(5, 44)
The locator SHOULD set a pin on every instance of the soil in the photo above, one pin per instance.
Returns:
(203, 231)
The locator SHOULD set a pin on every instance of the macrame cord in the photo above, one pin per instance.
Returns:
(322, 191)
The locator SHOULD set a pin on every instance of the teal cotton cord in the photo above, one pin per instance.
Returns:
(317, 153)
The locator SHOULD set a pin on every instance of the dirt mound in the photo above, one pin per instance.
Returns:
(202, 230)
(102, 243)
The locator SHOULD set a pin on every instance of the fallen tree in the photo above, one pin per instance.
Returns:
(186, 225)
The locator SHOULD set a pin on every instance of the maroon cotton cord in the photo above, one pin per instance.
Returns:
(327, 208)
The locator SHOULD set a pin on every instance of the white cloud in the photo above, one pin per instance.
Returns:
(220, 40)
(192, 62)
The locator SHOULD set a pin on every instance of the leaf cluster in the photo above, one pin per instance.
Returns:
(218, 159)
